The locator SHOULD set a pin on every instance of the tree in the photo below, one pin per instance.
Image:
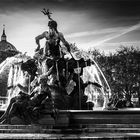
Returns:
(121, 69)
(127, 70)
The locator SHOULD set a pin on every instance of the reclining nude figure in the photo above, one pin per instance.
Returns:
(22, 96)
(23, 106)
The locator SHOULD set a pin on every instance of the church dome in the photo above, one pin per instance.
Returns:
(5, 45)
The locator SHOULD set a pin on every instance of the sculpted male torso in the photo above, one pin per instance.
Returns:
(53, 38)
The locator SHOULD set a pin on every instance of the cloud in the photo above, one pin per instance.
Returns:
(110, 34)
(127, 43)
(96, 32)
(124, 31)
(119, 30)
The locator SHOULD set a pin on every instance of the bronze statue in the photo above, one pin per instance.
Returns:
(53, 38)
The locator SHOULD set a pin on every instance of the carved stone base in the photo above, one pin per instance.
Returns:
(46, 120)
(17, 121)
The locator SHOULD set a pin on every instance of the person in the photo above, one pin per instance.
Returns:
(53, 37)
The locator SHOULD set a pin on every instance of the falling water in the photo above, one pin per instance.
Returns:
(10, 75)
(15, 76)
(91, 73)
(99, 96)
(10, 83)
(96, 94)
(107, 90)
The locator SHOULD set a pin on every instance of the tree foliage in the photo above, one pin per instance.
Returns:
(122, 70)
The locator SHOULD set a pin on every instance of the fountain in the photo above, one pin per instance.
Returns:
(10, 73)
(74, 83)
(96, 94)
(74, 107)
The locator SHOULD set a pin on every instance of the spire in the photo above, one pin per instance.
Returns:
(3, 37)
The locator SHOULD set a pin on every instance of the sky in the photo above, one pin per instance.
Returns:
(100, 24)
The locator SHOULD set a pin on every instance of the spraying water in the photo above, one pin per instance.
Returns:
(100, 92)
(10, 74)
(96, 94)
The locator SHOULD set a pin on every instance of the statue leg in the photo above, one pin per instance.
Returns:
(12, 111)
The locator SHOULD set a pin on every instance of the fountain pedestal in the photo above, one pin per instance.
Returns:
(77, 124)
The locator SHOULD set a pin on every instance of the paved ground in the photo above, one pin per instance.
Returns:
(72, 136)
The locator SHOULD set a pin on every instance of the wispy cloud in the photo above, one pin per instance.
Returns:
(119, 30)
(122, 43)
(96, 32)
(109, 34)
(123, 32)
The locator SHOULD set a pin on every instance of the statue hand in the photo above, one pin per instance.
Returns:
(37, 49)
(68, 48)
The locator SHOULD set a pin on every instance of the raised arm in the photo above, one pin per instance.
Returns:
(38, 38)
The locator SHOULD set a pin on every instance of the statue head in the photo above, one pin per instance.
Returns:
(52, 24)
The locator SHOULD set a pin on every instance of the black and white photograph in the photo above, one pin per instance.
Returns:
(70, 69)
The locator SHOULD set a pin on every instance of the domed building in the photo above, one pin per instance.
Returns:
(6, 48)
